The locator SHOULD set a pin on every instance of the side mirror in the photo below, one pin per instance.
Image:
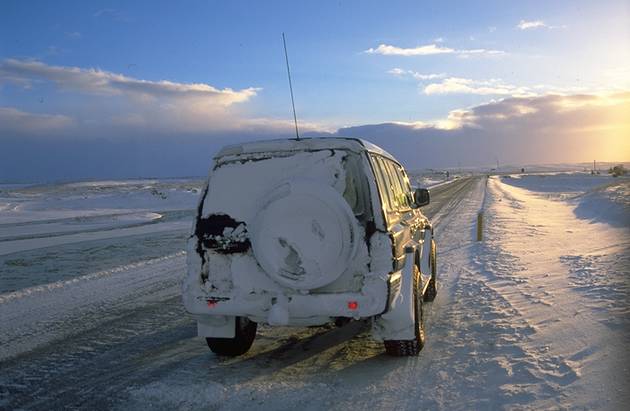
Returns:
(421, 197)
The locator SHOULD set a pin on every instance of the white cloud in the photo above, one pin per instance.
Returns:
(103, 98)
(418, 76)
(479, 51)
(427, 50)
(536, 24)
(458, 85)
(102, 101)
(99, 82)
(397, 71)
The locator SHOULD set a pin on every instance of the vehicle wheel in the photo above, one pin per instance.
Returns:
(432, 287)
(406, 348)
(240, 344)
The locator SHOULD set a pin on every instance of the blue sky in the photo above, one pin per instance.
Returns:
(85, 71)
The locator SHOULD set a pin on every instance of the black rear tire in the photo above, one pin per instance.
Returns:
(407, 348)
(431, 292)
(240, 344)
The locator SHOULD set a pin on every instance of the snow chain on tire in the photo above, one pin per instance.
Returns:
(432, 287)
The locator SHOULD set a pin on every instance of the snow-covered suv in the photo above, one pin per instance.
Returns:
(305, 232)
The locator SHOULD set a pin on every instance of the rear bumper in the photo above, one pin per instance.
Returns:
(302, 309)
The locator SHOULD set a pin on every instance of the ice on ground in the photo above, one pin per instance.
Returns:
(38, 315)
(44, 227)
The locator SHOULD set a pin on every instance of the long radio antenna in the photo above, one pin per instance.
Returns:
(286, 57)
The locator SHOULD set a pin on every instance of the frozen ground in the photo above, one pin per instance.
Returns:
(535, 316)
(61, 231)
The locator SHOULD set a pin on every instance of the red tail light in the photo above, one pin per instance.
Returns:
(353, 305)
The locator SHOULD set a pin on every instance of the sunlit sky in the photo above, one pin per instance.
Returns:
(83, 83)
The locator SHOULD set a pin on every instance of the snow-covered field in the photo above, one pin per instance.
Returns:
(61, 231)
(535, 316)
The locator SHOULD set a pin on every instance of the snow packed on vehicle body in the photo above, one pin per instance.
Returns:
(305, 232)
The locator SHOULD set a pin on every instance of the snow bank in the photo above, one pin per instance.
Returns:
(598, 198)
(564, 282)
(576, 182)
(609, 203)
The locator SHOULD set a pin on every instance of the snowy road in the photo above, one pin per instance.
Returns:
(120, 339)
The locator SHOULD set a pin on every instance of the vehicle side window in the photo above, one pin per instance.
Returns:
(383, 184)
(399, 189)
(406, 181)
(404, 185)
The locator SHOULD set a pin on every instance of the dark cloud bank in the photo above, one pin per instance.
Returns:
(531, 130)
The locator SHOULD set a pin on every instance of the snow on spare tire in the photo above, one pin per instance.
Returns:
(304, 235)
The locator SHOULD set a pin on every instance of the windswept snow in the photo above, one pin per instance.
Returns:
(609, 203)
(569, 350)
(534, 317)
(37, 315)
(516, 325)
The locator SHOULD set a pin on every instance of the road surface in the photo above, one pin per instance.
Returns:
(123, 340)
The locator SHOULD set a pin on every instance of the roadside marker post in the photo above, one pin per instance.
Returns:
(480, 226)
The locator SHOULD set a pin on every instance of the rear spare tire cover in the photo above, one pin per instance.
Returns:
(304, 235)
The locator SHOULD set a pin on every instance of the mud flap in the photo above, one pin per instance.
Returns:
(398, 322)
(217, 326)
(425, 269)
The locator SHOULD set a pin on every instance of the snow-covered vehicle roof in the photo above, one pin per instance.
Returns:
(317, 143)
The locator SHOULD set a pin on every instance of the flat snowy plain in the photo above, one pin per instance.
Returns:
(535, 316)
